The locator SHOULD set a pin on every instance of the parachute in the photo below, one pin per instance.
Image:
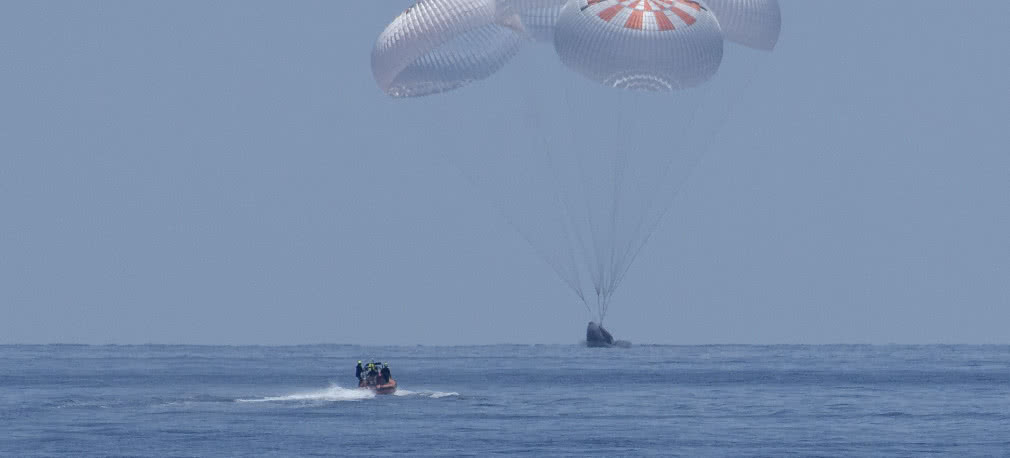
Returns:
(586, 173)
(751, 23)
(661, 45)
(440, 45)
(656, 45)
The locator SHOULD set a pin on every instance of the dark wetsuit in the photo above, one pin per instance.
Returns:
(385, 375)
(357, 371)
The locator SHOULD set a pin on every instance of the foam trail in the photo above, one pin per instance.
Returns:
(425, 394)
(440, 394)
(331, 394)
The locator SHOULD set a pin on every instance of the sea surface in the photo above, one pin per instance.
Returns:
(849, 400)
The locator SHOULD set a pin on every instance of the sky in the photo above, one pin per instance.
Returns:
(228, 172)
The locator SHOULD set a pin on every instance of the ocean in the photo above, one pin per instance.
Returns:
(556, 400)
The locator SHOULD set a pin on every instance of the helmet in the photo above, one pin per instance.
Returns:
(359, 361)
(385, 364)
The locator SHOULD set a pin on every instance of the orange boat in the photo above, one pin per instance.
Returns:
(384, 388)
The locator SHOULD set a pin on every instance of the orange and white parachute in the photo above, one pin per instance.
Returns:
(574, 179)
(752, 23)
(440, 45)
(657, 45)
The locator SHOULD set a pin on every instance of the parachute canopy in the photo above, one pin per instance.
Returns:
(655, 45)
(441, 45)
(752, 23)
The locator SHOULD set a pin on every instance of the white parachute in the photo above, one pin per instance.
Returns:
(587, 173)
(441, 45)
(752, 23)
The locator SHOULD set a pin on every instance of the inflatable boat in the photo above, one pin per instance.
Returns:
(383, 388)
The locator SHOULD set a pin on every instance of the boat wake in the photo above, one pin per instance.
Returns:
(332, 394)
(426, 394)
(337, 393)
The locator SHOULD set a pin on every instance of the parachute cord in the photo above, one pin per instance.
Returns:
(571, 237)
(606, 305)
(657, 206)
(595, 266)
(620, 167)
(603, 301)
(664, 204)
(569, 230)
(529, 240)
(600, 313)
(604, 276)
(704, 149)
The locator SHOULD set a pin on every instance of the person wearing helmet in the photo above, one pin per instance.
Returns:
(358, 370)
(386, 375)
(372, 373)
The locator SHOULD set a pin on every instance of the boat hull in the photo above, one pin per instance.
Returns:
(385, 388)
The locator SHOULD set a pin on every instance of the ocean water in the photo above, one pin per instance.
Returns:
(156, 400)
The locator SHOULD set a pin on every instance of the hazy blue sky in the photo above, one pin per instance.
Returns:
(228, 172)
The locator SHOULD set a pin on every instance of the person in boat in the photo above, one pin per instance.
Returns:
(358, 370)
(373, 373)
(386, 375)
